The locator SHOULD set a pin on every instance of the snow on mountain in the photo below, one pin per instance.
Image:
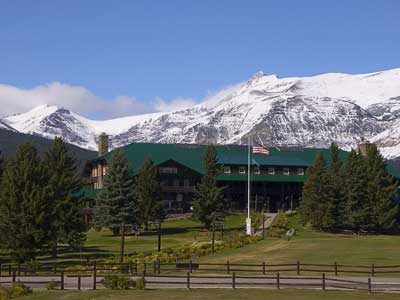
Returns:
(307, 111)
(5, 126)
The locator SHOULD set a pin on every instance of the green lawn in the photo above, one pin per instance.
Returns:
(204, 294)
(315, 247)
(102, 244)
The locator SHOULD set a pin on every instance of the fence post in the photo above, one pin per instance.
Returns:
(263, 267)
(190, 266)
(323, 281)
(298, 267)
(144, 268)
(372, 270)
(228, 269)
(9, 270)
(233, 280)
(278, 284)
(62, 280)
(19, 269)
(135, 265)
(335, 268)
(369, 286)
(158, 266)
(13, 277)
(188, 280)
(94, 275)
(79, 282)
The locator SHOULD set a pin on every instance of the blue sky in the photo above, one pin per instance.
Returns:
(144, 52)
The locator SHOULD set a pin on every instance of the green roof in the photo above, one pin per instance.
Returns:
(191, 156)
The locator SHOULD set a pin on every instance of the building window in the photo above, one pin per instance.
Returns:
(227, 170)
(285, 171)
(168, 170)
(300, 171)
(242, 170)
(271, 171)
(104, 170)
(95, 172)
(257, 170)
(176, 182)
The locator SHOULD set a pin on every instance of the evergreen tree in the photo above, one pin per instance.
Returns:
(2, 164)
(317, 205)
(381, 190)
(24, 205)
(148, 194)
(208, 197)
(115, 203)
(67, 224)
(336, 178)
(355, 191)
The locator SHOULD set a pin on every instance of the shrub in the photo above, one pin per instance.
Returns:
(51, 285)
(140, 284)
(117, 282)
(19, 289)
(280, 226)
(4, 293)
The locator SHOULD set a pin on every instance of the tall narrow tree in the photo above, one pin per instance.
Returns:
(115, 203)
(24, 205)
(67, 225)
(148, 194)
(381, 190)
(337, 180)
(2, 164)
(355, 191)
(317, 200)
(208, 197)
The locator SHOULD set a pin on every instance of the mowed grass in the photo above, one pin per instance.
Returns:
(309, 246)
(208, 294)
(102, 244)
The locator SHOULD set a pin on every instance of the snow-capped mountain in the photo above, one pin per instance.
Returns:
(307, 111)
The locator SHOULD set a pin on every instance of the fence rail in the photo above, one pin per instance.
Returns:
(158, 268)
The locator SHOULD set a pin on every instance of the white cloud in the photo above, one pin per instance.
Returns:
(176, 104)
(80, 100)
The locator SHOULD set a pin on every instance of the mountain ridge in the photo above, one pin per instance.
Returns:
(303, 111)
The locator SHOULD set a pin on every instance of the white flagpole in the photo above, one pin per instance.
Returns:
(248, 220)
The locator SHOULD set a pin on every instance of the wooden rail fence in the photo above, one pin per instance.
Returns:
(158, 268)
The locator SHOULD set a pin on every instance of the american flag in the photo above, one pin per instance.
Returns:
(260, 150)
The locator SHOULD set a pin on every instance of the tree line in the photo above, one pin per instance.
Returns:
(40, 205)
(356, 193)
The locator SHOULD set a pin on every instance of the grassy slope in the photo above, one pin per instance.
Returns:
(209, 294)
(315, 247)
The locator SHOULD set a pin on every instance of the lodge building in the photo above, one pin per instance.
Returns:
(276, 179)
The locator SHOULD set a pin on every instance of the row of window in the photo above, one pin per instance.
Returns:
(257, 170)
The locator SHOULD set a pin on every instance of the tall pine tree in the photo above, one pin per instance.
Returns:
(380, 208)
(148, 194)
(355, 191)
(317, 206)
(208, 197)
(115, 203)
(2, 164)
(24, 205)
(336, 179)
(67, 224)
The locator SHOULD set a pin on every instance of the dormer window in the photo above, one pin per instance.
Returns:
(227, 170)
(271, 171)
(285, 171)
(300, 171)
(242, 170)
(257, 170)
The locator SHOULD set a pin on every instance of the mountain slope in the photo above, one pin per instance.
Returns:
(10, 140)
(307, 111)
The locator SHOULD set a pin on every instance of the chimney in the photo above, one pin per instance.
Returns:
(364, 147)
(103, 144)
